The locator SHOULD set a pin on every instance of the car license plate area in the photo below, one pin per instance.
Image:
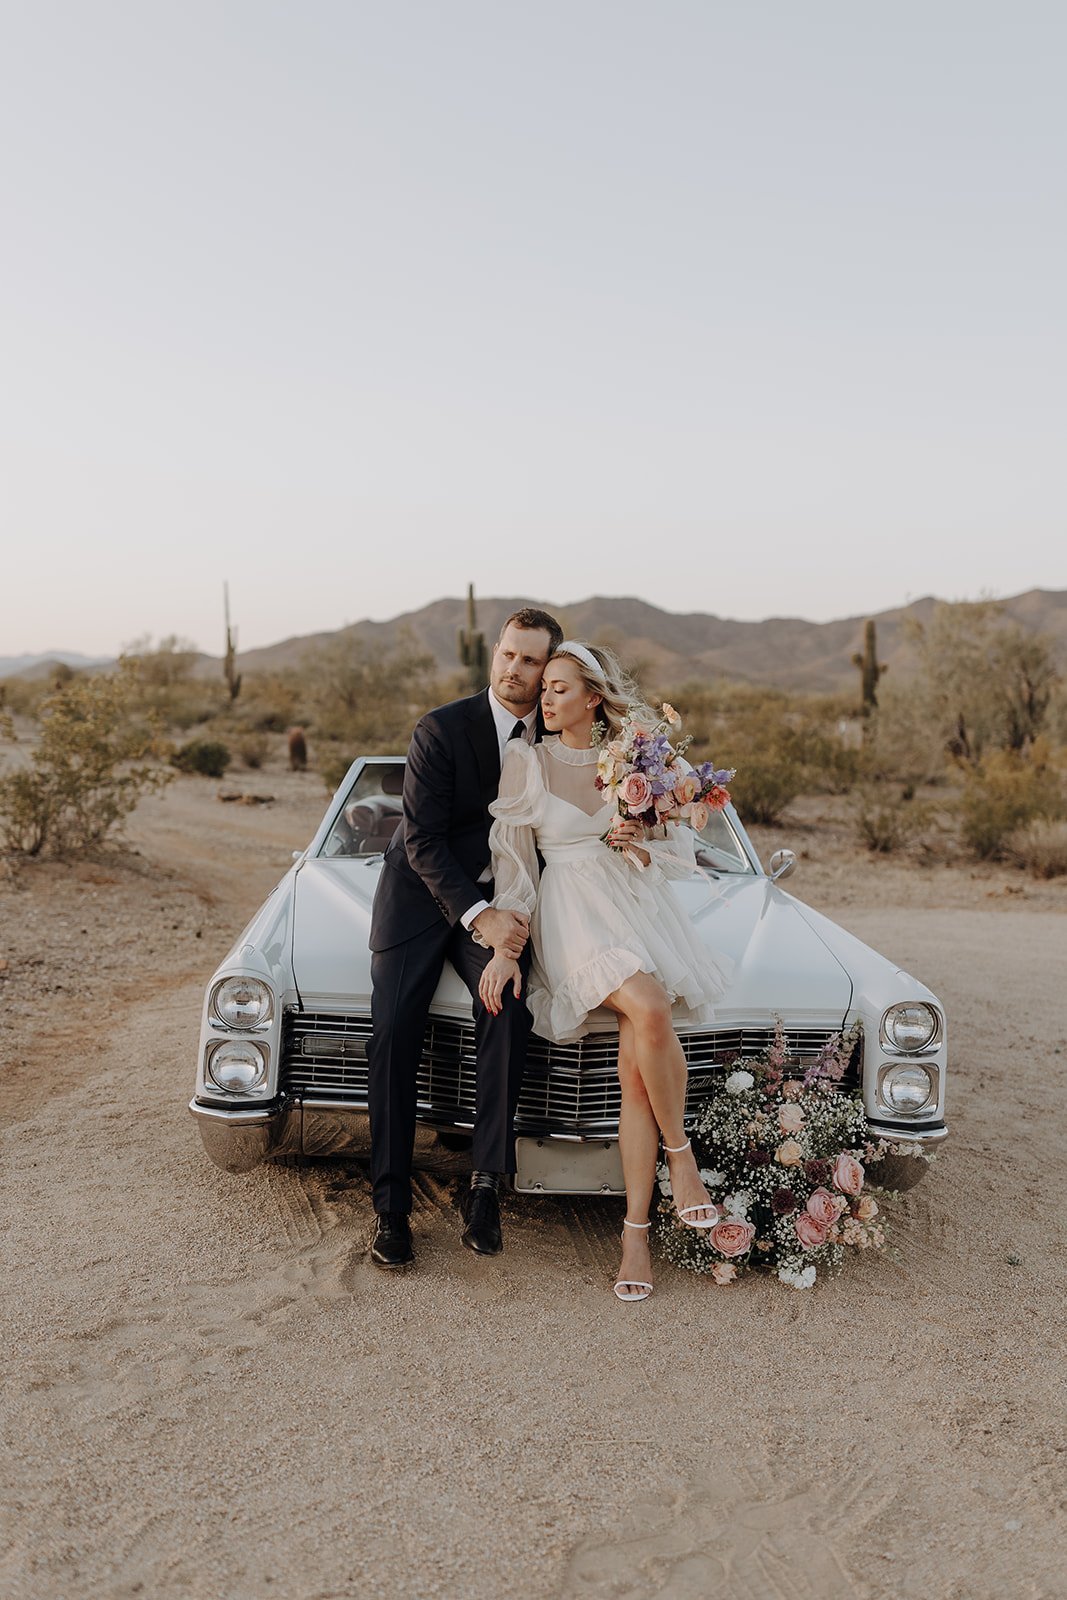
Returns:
(565, 1166)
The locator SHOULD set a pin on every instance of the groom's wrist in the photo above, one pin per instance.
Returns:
(467, 919)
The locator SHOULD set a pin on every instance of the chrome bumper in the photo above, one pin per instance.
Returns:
(238, 1138)
(902, 1172)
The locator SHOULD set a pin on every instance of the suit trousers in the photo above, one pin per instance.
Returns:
(404, 979)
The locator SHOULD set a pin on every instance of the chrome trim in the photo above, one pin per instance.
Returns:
(217, 1021)
(212, 1049)
(908, 1135)
(933, 1043)
(239, 1138)
(783, 864)
(569, 1090)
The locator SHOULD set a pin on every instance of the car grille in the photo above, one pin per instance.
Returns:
(572, 1088)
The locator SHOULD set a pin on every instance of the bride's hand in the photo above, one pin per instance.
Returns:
(498, 973)
(629, 836)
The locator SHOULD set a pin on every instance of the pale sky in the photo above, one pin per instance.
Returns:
(754, 309)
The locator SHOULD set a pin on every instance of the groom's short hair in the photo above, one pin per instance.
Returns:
(530, 617)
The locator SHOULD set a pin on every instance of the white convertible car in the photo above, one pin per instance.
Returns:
(282, 1067)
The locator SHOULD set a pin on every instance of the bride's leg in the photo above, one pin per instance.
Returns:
(660, 1061)
(638, 1148)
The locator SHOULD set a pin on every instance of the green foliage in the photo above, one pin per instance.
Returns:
(167, 684)
(870, 669)
(1004, 793)
(983, 683)
(209, 757)
(365, 700)
(781, 746)
(886, 819)
(1041, 847)
(253, 748)
(88, 770)
(473, 651)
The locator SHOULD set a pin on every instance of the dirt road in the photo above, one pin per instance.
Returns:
(211, 1392)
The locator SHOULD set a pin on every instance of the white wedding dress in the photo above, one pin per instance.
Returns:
(596, 916)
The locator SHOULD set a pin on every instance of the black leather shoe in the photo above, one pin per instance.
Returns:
(391, 1246)
(481, 1213)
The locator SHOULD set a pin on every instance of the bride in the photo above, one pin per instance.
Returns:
(606, 930)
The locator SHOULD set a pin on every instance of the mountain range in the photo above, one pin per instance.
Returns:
(669, 648)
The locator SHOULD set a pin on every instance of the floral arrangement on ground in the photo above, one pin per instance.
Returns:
(786, 1154)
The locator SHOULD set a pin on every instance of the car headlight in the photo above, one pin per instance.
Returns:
(238, 1066)
(242, 1002)
(907, 1087)
(912, 1025)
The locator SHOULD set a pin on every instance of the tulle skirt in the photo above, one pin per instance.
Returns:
(597, 922)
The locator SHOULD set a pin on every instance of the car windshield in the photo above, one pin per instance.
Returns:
(718, 847)
(370, 814)
(371, 811)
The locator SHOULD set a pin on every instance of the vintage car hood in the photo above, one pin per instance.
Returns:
(331, 927)
(777, 960)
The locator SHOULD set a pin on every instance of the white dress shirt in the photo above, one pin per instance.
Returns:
(505, 720)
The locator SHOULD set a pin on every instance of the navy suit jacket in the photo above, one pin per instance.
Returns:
(441, 846)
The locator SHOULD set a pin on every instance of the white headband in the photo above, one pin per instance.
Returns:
(570, 648)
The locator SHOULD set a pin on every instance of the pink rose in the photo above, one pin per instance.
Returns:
(810, 1233)
(789, 1154)
(823, 1206)
(790, 1119)
(635, 792)
(732, 1236)
(724, 1272)
(686, 789)
(699, 816)
(866, 1208)
(792, 1089)
(664, 805)
(848, 1174)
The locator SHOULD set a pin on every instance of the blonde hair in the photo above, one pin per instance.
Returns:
(617, 690)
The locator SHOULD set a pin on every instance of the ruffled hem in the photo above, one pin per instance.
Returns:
(562, 1016)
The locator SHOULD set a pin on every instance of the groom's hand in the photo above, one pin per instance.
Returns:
(506, 932)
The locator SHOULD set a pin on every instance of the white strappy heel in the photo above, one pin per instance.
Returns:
(704, 1205)
(640, 1291)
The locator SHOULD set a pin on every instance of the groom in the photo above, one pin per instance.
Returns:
(433, 893)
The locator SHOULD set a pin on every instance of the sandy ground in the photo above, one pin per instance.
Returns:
(210, 1390)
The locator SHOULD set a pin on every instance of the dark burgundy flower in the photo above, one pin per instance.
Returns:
(759, 1158)
(817, 1171)
(783, 1201)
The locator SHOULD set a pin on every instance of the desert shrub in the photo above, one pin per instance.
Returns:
(253, 748)
(366, 700)
(1004, 793)
(209, 757)
(782, 746)
(887, 819)
(90, 767)
(983, 683)
(765, 785)
(169, 685)
(272, 701)
(1041, 847)
(334, 763)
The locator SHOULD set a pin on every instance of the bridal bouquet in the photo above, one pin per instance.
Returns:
(786, 1155)
(642, 772)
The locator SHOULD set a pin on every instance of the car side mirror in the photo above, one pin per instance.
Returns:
(782, 863)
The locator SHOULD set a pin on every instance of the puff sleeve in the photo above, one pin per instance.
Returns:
(517, 812)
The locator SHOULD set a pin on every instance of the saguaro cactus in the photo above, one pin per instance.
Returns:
(473, 651)
(229, 660)
(870, 669)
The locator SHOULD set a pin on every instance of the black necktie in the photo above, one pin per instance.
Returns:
(518, 731)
